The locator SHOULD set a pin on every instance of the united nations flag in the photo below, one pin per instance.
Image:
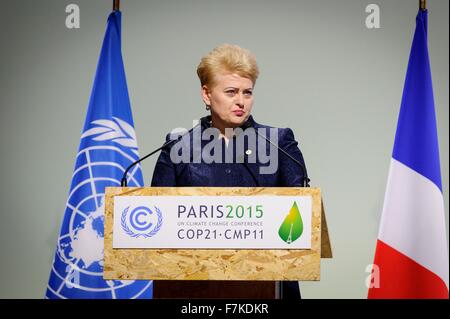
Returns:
(108, 145)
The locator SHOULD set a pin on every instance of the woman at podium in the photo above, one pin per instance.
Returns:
(228, 148)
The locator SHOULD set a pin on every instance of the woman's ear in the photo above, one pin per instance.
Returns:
(206, 95)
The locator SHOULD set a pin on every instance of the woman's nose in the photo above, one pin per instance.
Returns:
(240, 100)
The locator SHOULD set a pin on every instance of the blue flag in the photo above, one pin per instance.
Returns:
(108, 145)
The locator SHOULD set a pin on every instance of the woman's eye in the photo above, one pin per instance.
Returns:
(230, 92)
(248, 93)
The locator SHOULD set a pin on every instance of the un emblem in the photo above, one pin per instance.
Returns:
(141, 221)
(107, 148)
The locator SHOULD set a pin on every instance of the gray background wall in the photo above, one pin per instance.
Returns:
(337, 84)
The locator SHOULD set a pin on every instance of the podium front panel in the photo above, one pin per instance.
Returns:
(213, 264)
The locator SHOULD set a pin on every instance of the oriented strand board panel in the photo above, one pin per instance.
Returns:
(220, 264)
(325, 250)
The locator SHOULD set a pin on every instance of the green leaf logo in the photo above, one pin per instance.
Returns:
(292, 227)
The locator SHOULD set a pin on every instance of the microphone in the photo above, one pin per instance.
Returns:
(246, 125)
(306, 180)
(123, 182)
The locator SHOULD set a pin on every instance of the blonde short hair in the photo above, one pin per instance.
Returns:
(227, 58)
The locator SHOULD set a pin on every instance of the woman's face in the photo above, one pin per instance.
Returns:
(231, 99)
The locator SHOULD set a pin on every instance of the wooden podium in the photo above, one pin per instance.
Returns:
(217, 273)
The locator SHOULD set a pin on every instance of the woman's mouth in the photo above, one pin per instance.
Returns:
(238, 113)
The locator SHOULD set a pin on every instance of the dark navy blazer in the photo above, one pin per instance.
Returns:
(242, 172)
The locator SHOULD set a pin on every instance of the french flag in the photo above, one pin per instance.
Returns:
(411, 258)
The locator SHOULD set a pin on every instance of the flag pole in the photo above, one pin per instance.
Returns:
(423, 5)
(116, 5)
